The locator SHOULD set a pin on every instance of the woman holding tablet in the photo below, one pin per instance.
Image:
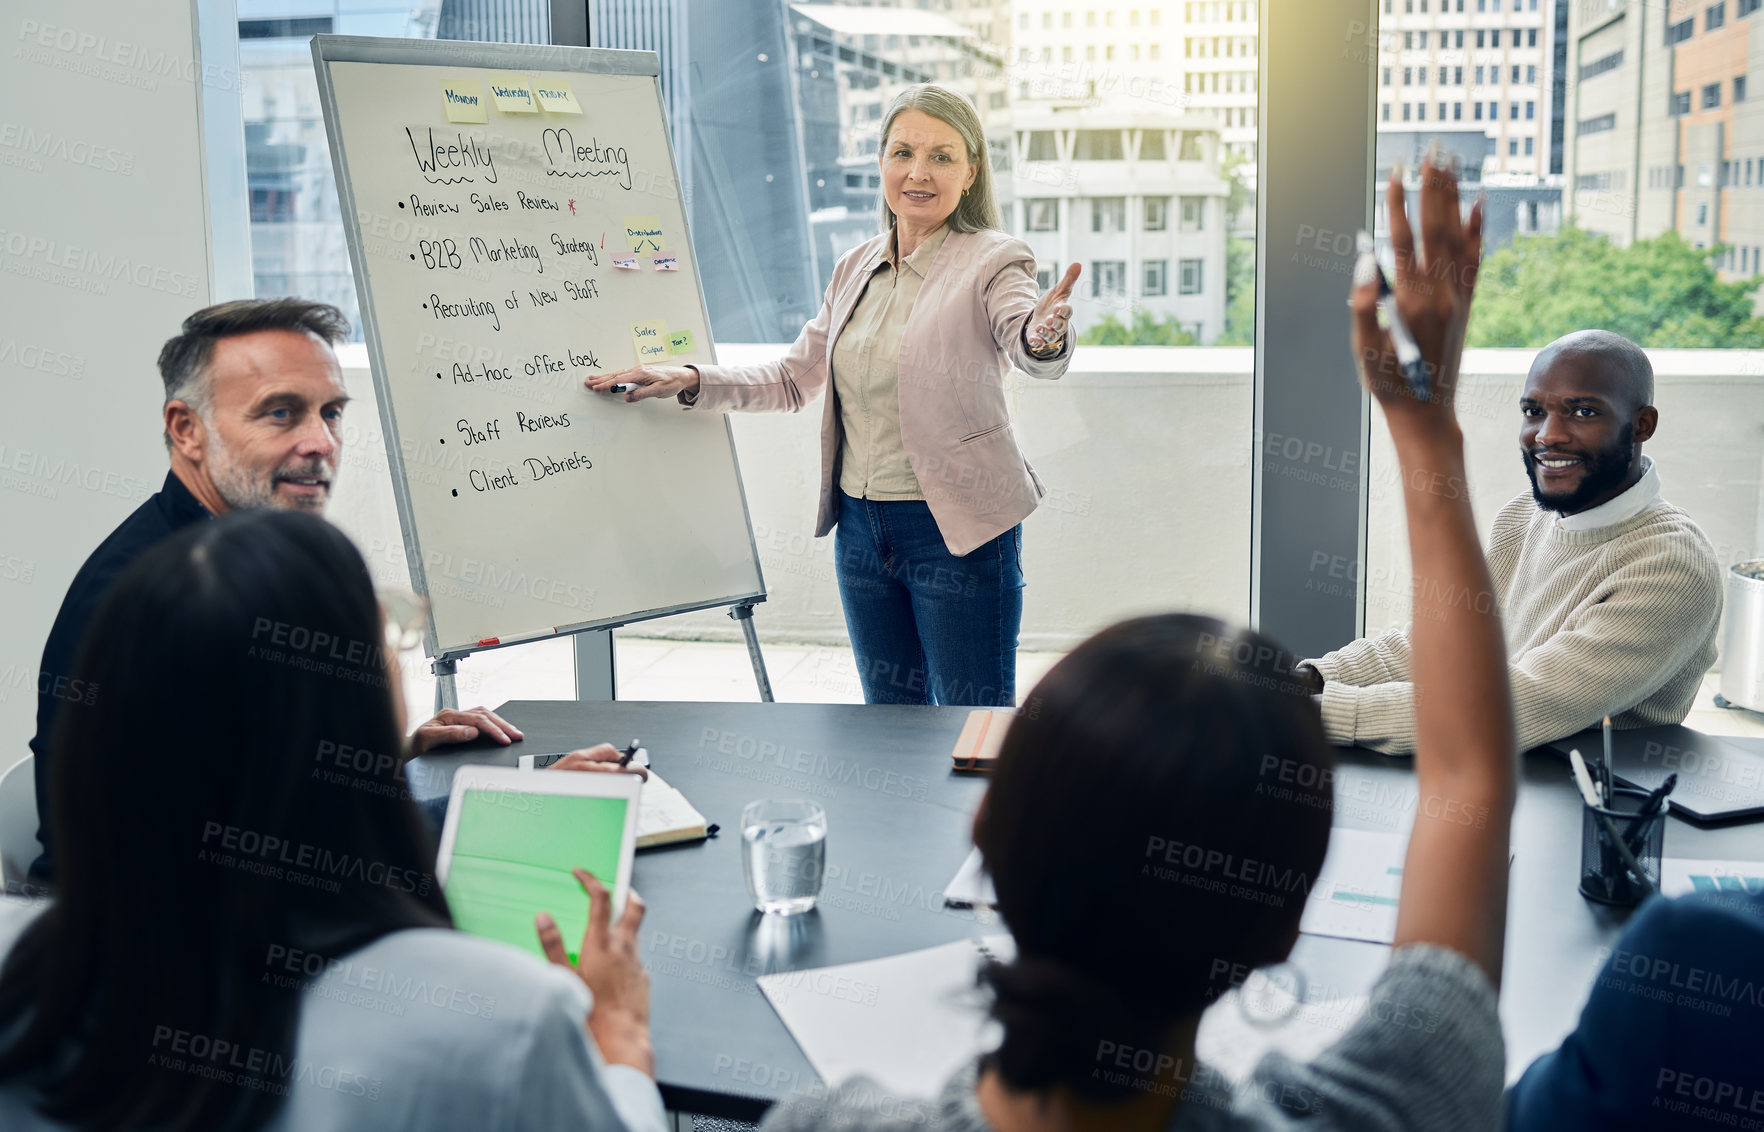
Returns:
(1185, 853)
(247, 932)
(920, 471)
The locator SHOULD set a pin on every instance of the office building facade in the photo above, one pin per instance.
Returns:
(1665, 132)
(1137, 199)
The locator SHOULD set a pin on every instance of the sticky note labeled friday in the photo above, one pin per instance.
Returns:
(555, 95)
(512, 95)
(644, 234)
(651, 340)
(464, 100)
(667, 261)
(680, 342)
(625, 262)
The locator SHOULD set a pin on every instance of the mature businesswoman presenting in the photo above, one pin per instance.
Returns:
(920, 472)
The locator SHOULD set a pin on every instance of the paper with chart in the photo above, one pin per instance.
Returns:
(1355, 894)
(491, 200)
(1680, 876)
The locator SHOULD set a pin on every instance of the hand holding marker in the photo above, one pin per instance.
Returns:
(1408, 353)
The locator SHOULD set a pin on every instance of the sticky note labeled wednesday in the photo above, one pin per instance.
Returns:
(680, 342)
(651, 340)
(555, 95)
(644, 234)
(667, 261)
(625, 262)
(464, 100)
(512, 95)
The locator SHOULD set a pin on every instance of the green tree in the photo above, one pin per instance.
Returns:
(1240, 293)
(1660, 292)
(1240, 260)
(1145, 331)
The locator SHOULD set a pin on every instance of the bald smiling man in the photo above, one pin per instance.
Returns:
(1609, 594)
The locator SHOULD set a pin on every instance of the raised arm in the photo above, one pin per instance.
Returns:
(1455, 876)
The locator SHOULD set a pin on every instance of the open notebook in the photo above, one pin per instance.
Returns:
(664, 816)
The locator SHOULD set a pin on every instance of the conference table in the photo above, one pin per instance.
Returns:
(898, 824)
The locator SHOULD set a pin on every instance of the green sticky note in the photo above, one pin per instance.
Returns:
(680, 342)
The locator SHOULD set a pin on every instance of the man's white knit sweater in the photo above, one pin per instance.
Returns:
(1608, 612)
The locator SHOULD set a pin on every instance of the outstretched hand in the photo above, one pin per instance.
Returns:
(1047, 325)
(1433, 289)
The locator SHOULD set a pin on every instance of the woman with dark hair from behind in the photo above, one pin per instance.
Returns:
(247, 933)
(1149, 849)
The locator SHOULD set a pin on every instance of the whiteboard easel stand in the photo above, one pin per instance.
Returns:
(328, 49)
(446, 666)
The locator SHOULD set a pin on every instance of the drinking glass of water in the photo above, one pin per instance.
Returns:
(783, 853)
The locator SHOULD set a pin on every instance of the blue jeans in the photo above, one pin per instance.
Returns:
(926, 626)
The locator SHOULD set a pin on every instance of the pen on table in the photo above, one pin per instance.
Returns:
(1656, 801)
(1605, 771)
(630, 752)
(1583, 779)
(1658, 797)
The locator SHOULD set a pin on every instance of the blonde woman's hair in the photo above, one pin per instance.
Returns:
(977, 210)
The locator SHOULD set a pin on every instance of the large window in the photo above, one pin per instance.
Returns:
(1108, 279)
(1108, 214)
(1665, 259)
(1135, 160)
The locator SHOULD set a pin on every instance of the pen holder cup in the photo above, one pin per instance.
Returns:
(1604, 875)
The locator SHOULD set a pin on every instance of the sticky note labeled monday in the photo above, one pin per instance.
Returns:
(667, 261)
(680, 342)
(464, 100)
(512, 95)
(625, 262)
(651, 340)
(644, 234)
(556, 96)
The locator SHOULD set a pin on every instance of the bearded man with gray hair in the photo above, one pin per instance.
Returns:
(253, 417)
(1609, 595)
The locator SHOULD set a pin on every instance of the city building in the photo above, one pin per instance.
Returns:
(1219, 72)
(1491, 67)
(1136, 197)
(1097, 49)
(297, 244)
(1472, 64)
(1663, 133)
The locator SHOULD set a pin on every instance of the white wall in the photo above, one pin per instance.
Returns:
(104, 248)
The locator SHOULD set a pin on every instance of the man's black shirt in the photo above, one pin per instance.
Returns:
(170, 510)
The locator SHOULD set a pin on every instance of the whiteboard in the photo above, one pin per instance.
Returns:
(499, 261)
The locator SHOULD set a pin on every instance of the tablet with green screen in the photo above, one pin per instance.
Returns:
(512, 837)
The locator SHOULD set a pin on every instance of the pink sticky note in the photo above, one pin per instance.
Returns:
(667, 261)
(625, 262)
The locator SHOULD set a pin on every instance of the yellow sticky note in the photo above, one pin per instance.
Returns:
(464, 100)
(651, 340)
(556, 96)
(512, 95)
(644, 234)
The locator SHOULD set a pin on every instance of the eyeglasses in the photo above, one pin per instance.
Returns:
(406, 615)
